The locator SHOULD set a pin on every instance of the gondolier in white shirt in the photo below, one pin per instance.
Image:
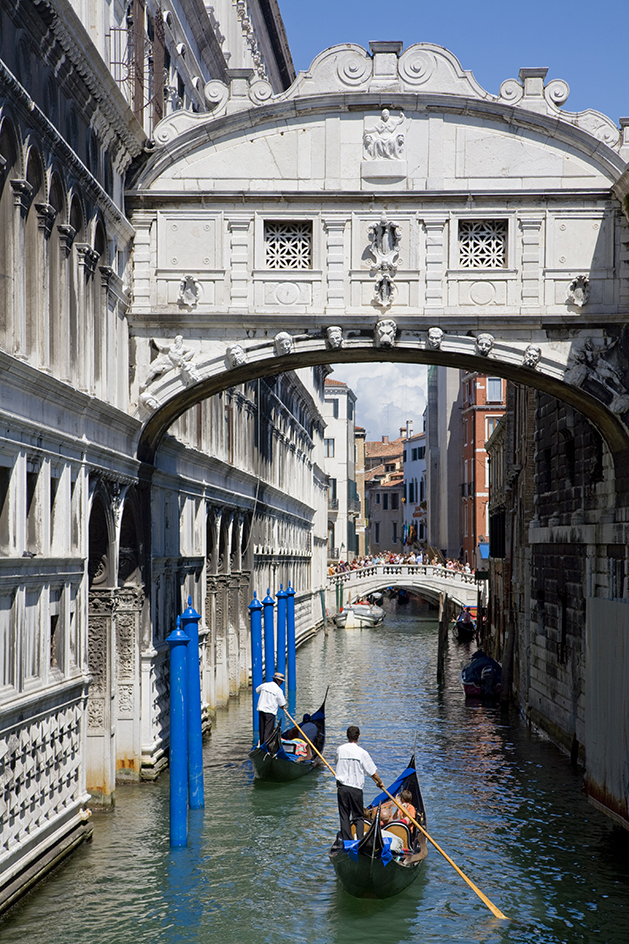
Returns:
(352, 763)
(271, 698)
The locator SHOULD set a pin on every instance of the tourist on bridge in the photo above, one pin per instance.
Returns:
(271, 698)
(352, 763)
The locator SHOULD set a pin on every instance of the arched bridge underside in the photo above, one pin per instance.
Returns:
(385, 207)
(431, 582)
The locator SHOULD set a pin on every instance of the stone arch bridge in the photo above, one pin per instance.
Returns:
(384, 207)
(433, 582)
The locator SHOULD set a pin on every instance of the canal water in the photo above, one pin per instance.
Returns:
(500, 800)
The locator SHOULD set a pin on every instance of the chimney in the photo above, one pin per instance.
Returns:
(385, 439)
(409, 429)
(403, 432)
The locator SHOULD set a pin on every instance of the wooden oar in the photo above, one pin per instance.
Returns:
(495, 911)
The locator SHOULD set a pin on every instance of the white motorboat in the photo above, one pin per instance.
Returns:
(359, 614)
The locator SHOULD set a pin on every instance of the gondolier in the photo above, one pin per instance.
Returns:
(352, 763)
(271, 698)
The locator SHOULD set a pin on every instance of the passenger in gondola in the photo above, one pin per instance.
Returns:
(466, 617)
(390, 812)
(271, 698)
(352, 763)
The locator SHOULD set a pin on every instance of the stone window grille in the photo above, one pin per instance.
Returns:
(483, 244)
(288, 245)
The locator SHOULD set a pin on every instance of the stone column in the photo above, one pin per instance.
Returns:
(128, 706)
(100, 760)
(22, 193)
(233, 645)
(239, 263)
(66, 238)
(209, 674)
(84, 368)
(46, 215)
(220, 648)
(335, 259)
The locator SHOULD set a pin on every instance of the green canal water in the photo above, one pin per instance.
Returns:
(501, 801)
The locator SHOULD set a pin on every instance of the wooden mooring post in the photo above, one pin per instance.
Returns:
(443, 637)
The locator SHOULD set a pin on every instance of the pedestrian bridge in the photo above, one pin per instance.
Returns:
(429, 580)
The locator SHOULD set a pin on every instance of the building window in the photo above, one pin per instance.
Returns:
(350, 409)
(335, 407)
(411, 492)
(394, 535)
(482, 244)
(404, 456)
(328, 448)
(332, 489)
(494, 390)
(421, 452)
(385, 502)
(492, 422)
(377, 498)
(288, 245)
(395, 501)
(376, 532)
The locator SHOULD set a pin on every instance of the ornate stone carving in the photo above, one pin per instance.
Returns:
(95, 713)
(216, 94)
(385, 238)
(416, 66)
(531, 356)
(235, 356)
(353, 67)
(579, 291)
(283, 343)
(189, 292)
(387, 140)
(589, 367)
(175, 356)
(334, 337)
(434, 338)
(484, 343)
(385, 331)
(125, 699)
(260, 92)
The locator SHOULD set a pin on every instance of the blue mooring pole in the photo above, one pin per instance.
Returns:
(255, 617)
(290, 633)
(178, 642)
(190, 625)
(280, 596)
(269, 637)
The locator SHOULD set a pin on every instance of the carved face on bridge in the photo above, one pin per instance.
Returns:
(531, 356)
(484, 344)
(334, 337)
(434, 339)
(385, 333)
(283, 343)
(235, 356)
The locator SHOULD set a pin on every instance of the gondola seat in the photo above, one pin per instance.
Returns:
(400, 830)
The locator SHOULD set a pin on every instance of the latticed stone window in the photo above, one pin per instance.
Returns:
(483, 244)
(288, 245)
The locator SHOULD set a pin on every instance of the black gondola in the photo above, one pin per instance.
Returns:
(285, 755)
(481, 677)
(464, 631)
(387, 858)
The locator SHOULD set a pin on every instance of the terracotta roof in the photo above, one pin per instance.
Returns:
(334, 383)
(390, 449)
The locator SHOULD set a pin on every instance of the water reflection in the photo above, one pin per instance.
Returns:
(503, 803)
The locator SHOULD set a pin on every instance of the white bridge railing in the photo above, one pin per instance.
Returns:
(365, 580)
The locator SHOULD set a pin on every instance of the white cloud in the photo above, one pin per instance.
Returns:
(388, 395)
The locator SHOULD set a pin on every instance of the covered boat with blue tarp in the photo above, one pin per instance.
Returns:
(389, 856)
(287, 755)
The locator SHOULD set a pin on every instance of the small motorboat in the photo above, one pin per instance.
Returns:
(286, 755)
(359, 614)
(387, 858)
(481, 677)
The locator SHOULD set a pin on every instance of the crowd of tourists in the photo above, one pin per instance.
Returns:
(389, 557)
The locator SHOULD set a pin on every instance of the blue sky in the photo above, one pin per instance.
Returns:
(581, 41)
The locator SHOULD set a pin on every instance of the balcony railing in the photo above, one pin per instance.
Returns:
(333, 504)
(467, 488)
(333, 553)
(353, 505)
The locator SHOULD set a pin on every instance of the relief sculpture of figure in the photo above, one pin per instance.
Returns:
(386, 140)
(175, 356)
(587, 362)
(484, 343)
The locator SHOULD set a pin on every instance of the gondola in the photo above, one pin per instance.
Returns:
(359, 615)
(481, 677)
(387, 858)
(466, 630)
(285, 755)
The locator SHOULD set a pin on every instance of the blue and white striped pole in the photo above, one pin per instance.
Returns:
(280, 596)
(255, 617)
(190, 625)
(178, 755)
(290, 633)
(269, 637)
